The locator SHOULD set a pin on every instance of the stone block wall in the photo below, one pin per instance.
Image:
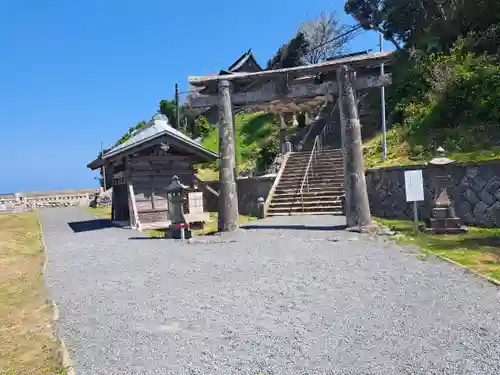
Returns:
(249, 191)
(475, 192)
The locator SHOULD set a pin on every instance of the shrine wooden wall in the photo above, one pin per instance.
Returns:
(148, 176)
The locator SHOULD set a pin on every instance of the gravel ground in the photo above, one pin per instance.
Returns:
(268, 300)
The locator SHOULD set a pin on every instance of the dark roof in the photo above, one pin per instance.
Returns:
(246, 63)
(158, 130)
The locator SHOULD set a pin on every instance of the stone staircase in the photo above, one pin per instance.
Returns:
(323, 192)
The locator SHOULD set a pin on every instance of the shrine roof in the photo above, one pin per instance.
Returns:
(155, 133)
(247, 60)
(246, 63)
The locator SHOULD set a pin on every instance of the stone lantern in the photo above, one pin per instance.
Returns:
(443, 219)
(179, 228)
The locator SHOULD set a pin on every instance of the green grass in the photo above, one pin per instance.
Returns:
(400, 153)
(254, 133)
(104, 212)
(209, 227)
(479, 249)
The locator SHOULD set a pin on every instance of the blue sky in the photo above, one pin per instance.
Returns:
(77, 73)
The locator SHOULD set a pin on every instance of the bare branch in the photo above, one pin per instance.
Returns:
(326, 36)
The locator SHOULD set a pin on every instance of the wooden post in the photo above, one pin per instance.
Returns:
(177, 109)
(282, 131)
(233, 116)
(228, 199)
(357, 204)
(347, 184)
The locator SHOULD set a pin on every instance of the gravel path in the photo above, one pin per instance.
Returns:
(265, 300)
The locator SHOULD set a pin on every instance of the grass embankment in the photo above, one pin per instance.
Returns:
(257, 143)
(442, 99)
(400, 152)
(478, 250)
(28, 344)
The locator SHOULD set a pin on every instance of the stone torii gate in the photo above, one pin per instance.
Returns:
(282, 90)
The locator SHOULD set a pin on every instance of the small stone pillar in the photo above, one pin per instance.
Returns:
(261, 208)
(286, 147)
(179, 229)
(443, 219)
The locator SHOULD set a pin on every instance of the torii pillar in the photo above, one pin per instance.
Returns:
(228, 197)
(357, 206)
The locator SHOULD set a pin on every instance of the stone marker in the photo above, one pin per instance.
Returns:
(443, 219)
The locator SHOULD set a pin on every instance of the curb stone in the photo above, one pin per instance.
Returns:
(67, 363)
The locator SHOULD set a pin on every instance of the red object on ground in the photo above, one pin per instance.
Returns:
(182, 226)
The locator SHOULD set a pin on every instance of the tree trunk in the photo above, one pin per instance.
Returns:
(357, 204)
(228, 198)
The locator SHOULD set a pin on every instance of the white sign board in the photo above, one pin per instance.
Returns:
(414, 186)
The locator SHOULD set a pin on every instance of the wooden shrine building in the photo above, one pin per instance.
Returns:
(142, 169)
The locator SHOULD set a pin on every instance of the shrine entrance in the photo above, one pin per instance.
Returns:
(282, 91)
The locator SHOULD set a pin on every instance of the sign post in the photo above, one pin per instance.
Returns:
(414, 189)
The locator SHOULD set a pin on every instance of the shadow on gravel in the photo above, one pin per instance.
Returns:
(90, 225)
(297, 227)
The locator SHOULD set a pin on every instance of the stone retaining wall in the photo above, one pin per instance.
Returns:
(475, 192)
(249, 191)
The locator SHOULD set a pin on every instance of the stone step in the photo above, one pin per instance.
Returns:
(311, 213)
(320, 167)
(305, 154)
(323, 152)
(332, 189)
(290, 203)
(299, 209)
(315, 160)
(331, 194)
(325, 174)
(315, 170)
(312, 182)
(318, 158)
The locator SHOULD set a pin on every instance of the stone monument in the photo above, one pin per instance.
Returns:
(443, 219)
